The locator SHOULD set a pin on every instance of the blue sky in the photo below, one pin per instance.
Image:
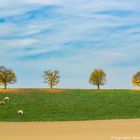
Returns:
(72, 36)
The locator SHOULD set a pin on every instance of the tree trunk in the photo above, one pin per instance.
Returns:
(51, 86)
(5, 86)
(98, 87)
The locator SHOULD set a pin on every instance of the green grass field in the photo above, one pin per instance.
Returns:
(69, 105)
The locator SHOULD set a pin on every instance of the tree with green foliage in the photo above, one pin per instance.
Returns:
(136, 79)
(7, 76)
(98, 78)
(51, 77)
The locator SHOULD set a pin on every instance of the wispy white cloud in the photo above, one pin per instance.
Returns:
(41, 2)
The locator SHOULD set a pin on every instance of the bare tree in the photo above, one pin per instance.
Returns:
(51, 77)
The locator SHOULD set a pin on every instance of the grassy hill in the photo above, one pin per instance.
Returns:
(67, 105)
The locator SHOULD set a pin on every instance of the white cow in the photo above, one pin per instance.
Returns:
(6, 99)
(20, 112)
(2, 102)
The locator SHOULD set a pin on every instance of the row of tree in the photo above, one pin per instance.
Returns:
(52, 78)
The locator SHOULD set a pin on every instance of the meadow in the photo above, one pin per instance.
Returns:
(69, 104)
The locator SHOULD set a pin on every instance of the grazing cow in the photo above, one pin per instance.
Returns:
(20, 112)
(2, 102)
(6, 99)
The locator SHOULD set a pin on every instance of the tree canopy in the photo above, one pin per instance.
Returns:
(7, 76)
(136, 79)
(98, 78)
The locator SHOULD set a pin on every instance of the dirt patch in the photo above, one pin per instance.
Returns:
(9, 91)
(19, 91)
(136, 90)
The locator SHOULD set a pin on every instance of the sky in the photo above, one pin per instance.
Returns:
(72, 36)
